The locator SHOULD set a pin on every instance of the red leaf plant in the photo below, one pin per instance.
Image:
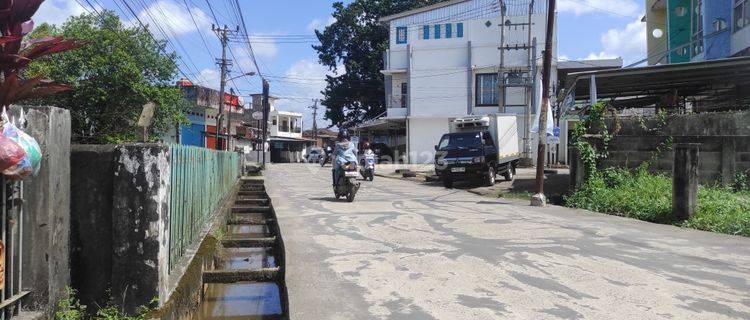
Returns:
(15, 23)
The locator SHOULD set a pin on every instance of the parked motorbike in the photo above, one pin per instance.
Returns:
(346, 183)
(368, 170)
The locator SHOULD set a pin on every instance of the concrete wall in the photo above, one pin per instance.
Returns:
(120, 217)
(423, 135)
(91, 221)
(46, 270)
(723, 139)
(121, 225)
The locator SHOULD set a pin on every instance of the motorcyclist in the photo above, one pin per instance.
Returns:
(344, 152)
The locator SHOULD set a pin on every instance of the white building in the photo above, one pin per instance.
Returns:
(285, 124)
(285, 137)
(444, 61)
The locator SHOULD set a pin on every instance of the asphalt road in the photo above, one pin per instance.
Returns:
(404, 250)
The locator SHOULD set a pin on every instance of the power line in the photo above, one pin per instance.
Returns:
(148, 32)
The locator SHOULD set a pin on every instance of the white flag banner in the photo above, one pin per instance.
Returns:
(538, 108)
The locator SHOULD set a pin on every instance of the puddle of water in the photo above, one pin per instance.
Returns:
(247, 231)
(250, 258)
(240, 301)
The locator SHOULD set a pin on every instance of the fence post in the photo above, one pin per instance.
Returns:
(685, 181)
(728, 165)
(577, 169)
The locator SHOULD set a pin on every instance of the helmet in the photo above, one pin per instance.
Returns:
(343, 134)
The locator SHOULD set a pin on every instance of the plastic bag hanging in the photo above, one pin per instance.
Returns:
(33, 152)
(11, 154)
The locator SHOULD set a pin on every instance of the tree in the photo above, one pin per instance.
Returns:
(356, 42)
(112, 77)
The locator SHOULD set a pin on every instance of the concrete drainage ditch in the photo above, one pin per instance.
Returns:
(246, 280)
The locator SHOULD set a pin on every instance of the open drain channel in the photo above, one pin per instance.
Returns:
(247, 281)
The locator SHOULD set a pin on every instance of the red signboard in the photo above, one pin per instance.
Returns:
(231, 100)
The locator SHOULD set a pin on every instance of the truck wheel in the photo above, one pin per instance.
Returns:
(447, 183)
(508, 175)
(489, 180)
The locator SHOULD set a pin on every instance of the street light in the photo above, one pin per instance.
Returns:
(249, 74)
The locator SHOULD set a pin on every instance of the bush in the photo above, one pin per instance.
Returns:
(72, 309)
(648, 197)
(721, 210)
(641, 195)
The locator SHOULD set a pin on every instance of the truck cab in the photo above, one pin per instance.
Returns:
(472, 152)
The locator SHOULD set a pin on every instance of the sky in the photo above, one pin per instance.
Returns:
(282, 32)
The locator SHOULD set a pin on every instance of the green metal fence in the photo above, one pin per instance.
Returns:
(201, 179)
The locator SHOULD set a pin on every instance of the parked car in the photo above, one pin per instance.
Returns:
(478, 148)
(313, 156)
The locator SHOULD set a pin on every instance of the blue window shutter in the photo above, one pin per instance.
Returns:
(426, 32)
(437, 31)
(459, 30)
(401, 35)
(449, 30)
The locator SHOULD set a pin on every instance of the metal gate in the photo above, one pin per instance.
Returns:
(11, 249)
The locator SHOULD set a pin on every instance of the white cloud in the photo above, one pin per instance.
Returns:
(628, 43)
(58, 11)
(264, 46)
(209, 78)
(174, 18)
(305, 80)
(612, 7)
(318, 24)
(600, 55)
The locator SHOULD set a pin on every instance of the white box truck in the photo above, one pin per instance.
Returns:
(479, 147)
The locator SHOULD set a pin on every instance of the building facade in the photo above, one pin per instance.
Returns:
(682, 31)
(204, 114)
(459, 58)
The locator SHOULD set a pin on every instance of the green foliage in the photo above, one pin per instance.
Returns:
(721, 210)
(356, 42)
(741, 182)
(648, 197)
(592, 127)
(638, 195)
(72, 309)
(112, 77)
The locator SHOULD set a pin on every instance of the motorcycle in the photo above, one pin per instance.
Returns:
(368, 170)
(346, 183)
(326, 157)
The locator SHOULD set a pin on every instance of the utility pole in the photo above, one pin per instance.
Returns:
(223, 34)
(315, 120)
(266, 110)
(539, 200)
(524, 73)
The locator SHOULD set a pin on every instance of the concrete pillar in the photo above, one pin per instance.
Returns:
(140, 224)
(727, 161)
(685, 181)
(46, 269)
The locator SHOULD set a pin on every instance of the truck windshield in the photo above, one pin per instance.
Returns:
(460, 140)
